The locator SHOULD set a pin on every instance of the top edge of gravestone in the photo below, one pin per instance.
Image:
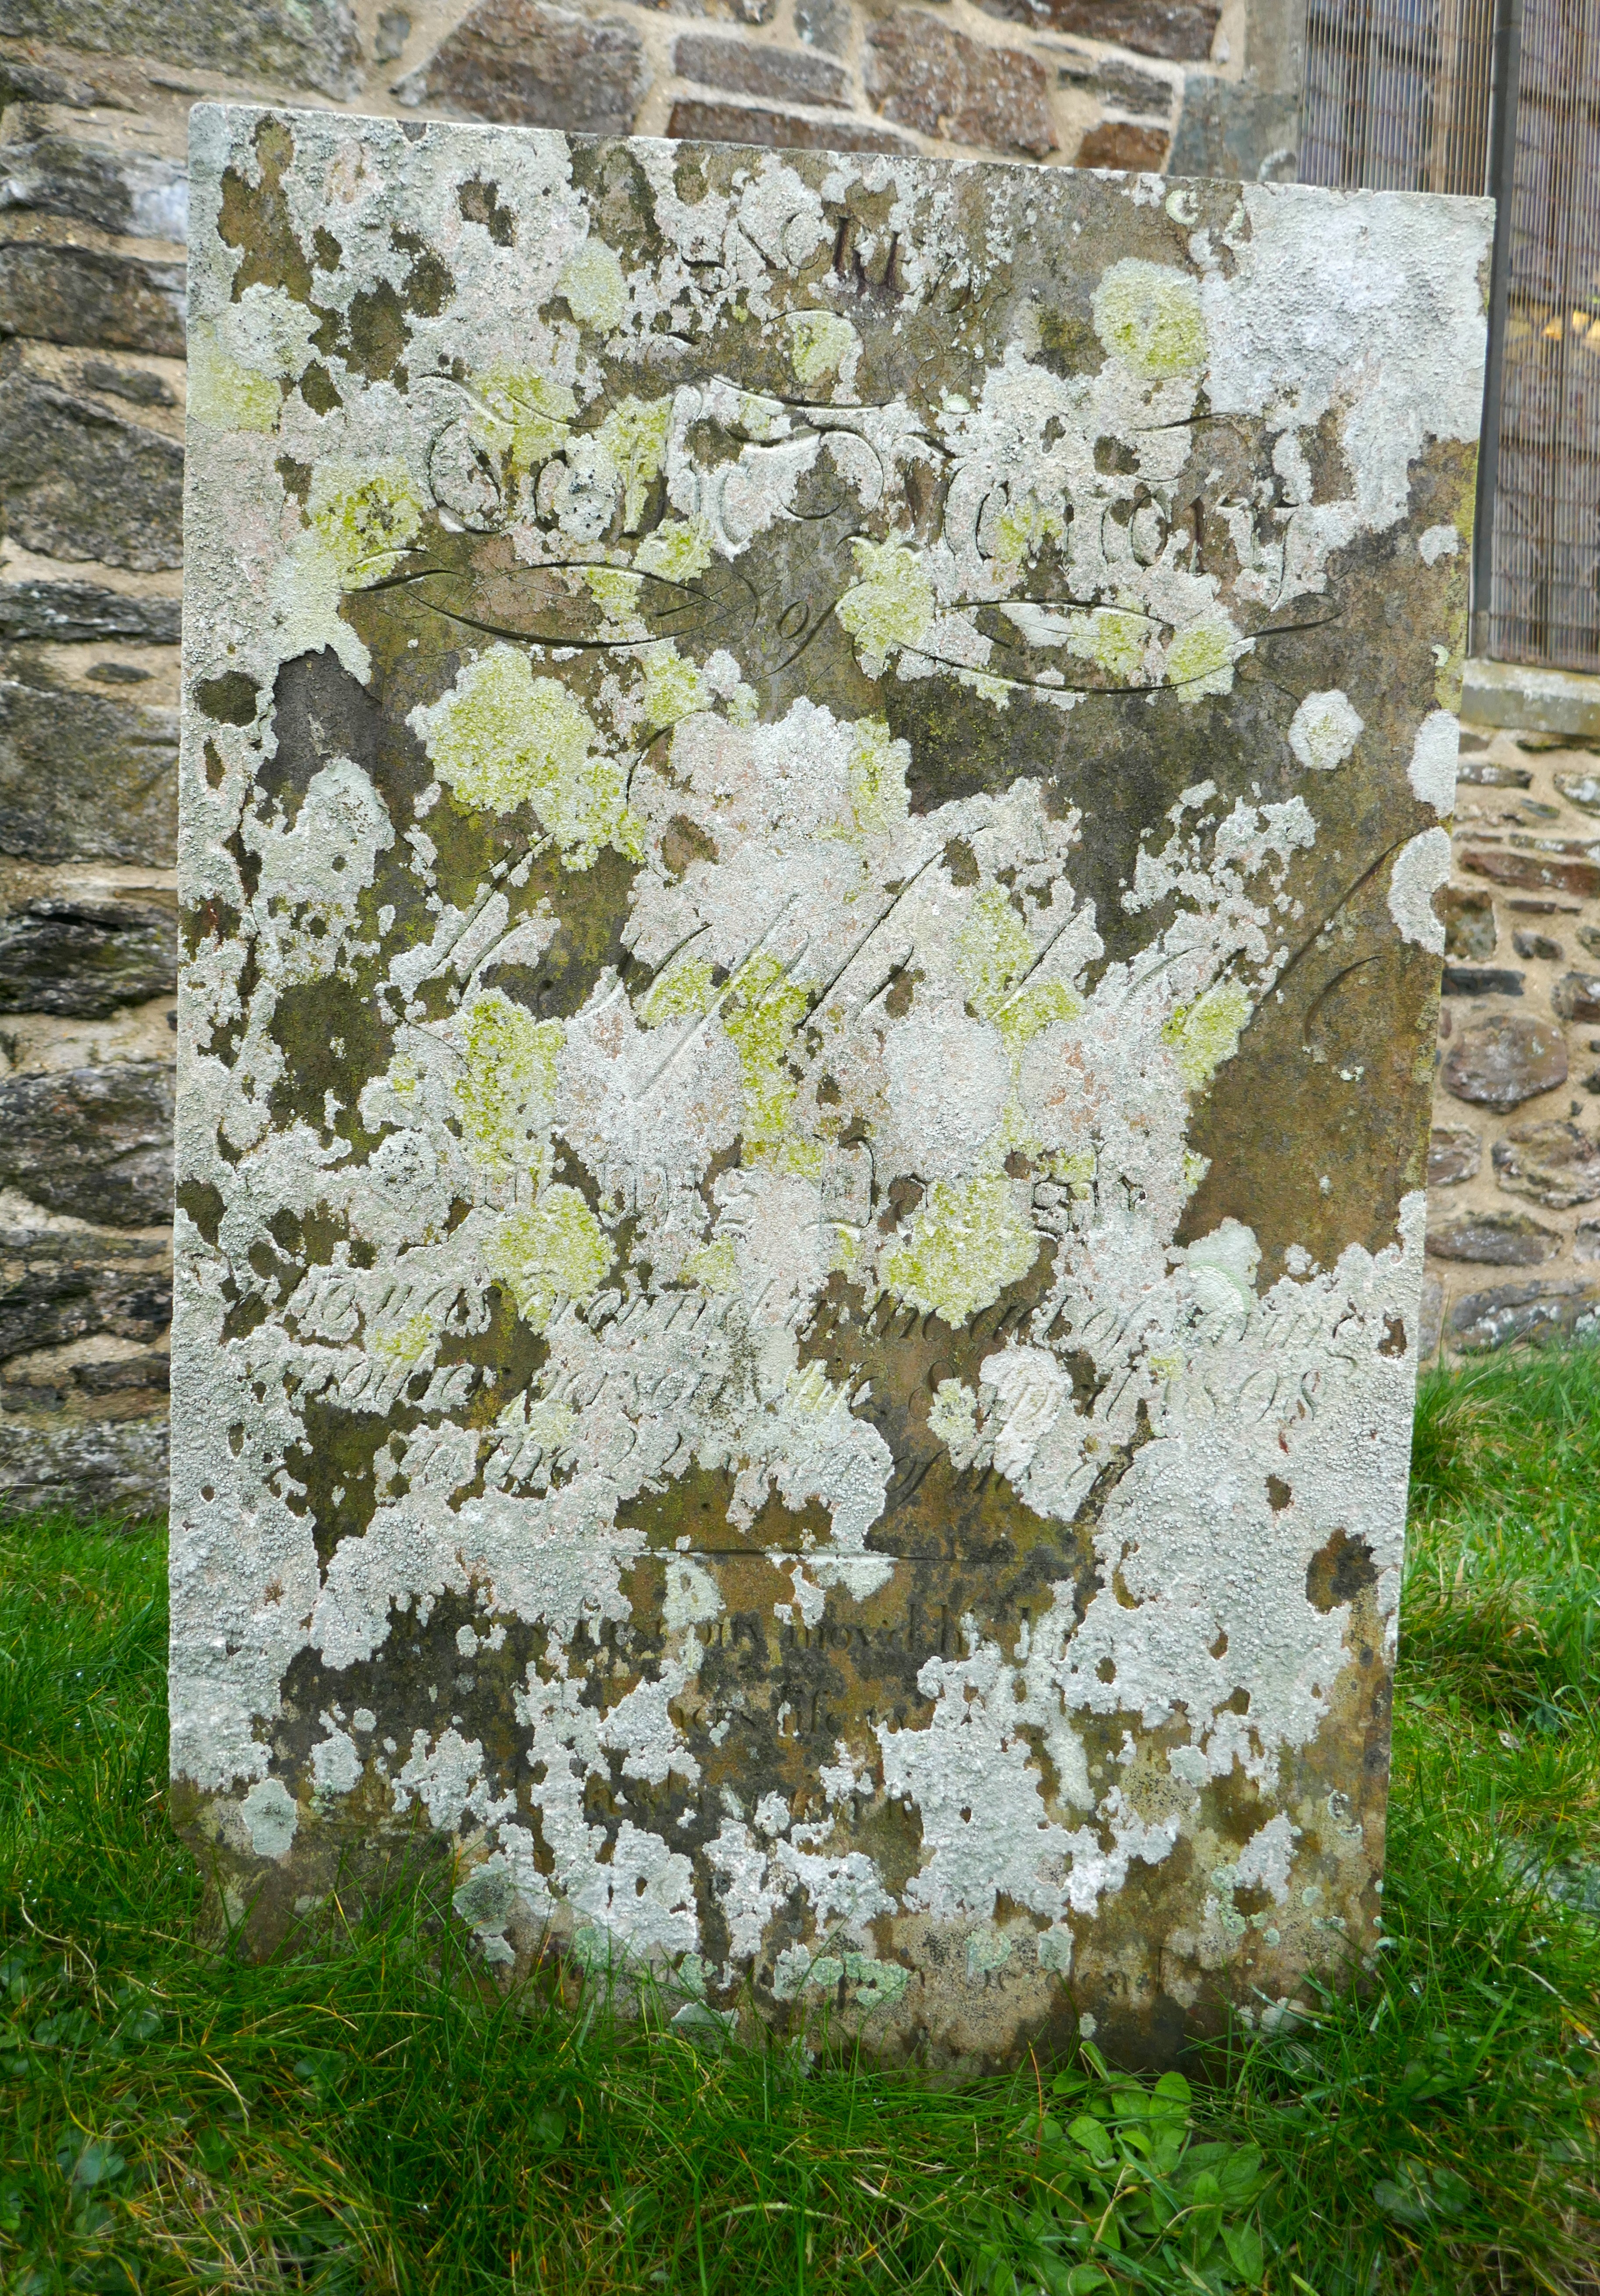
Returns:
(414, 129)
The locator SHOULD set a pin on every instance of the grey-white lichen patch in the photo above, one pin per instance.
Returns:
(807, 848)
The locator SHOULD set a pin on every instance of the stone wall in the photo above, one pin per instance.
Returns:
(1514, 1227)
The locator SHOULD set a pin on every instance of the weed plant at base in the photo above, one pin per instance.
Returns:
(368, 2116)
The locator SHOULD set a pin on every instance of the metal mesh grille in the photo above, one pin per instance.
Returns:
(1397, 98)
(1543, 602)
(1397, 94)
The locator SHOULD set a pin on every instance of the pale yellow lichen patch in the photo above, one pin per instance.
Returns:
(993, 950)
(1115, 640)
(713, 1266)
(1021, 530)
(967, 1241)
(366, 516)
(552, 1250)
(1075, 1167)
(502, 738)
(953, 1417)
(875, 770)
(1206, 1033)
(684, 987)
(1200, 660)
(593, 282)
(819, 343)
(761, 1014)
(224, 395)
(407, 1342)
(674, 688)
(1148, 315)
(634, 434)
(1032, 1009)
(889, 606)
(521, 413)
(678, 550)
(505, 1092)
(614, 591)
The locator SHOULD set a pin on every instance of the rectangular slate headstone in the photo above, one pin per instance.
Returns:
(811, 790)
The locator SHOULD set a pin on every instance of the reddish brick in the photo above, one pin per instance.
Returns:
(930, 76)
(1121, 143)
(696, 121)
(791, 75)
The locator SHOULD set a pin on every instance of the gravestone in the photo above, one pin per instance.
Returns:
(811, 791)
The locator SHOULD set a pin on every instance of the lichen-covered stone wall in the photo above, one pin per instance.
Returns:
(93, 104)
(811, 791)
(1514, 1220)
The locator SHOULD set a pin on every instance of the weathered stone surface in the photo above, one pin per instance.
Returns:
(1581, 790)
(1114, 80)
(1433, 1318)
(791, 75)
(1469, 922)
(137, 385)
(77, 481)
(1453, 1155)
(1123, 144)
(300, 43)
(1581, 878)
(1228, 127)
(1487, 773)
(1500, 1239)
(1556, 1163)
(85, 957)
(394, 30)
(930, 76)
(1541, 1313)
(75, 614)
(1588, 940)
(1585, 1240)
(84, 778)
(95, 1144)
(1181, 30)
(822, 24)
(119, 1466)
(83, 295)
(695, 120)
(533, 66)
(1576, 996)
(1482, 980)
(1505, 1059)
(804, 1046)
(60, 1285)
(129, 193)
(1536, 947)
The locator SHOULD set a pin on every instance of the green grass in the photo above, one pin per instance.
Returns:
(363, 2117)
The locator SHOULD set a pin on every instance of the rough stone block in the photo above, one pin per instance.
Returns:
(61, 1285)
(77, 481)
(1469, 922)
(533, 66)
(132, 193)
(1116, 81)
(1556, 1163)
(695, 120)
(85, 957)
(1500, 1239)
(1581, 790)
(1123, 144)
(1542, 1314)
(1536, 947)
(84, 778)
(789, 75)
(805, 1061)
(1575, 995)
(299, 43)
(1228, 127)
(822, 24)
(930, 76)
(119, 1466)
(1482, 980)
(76, 614)
(1536, 871)
(1453, 1155)
(1505, 1059)
(95, 1144)
(1181, 30)
(83, 295)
